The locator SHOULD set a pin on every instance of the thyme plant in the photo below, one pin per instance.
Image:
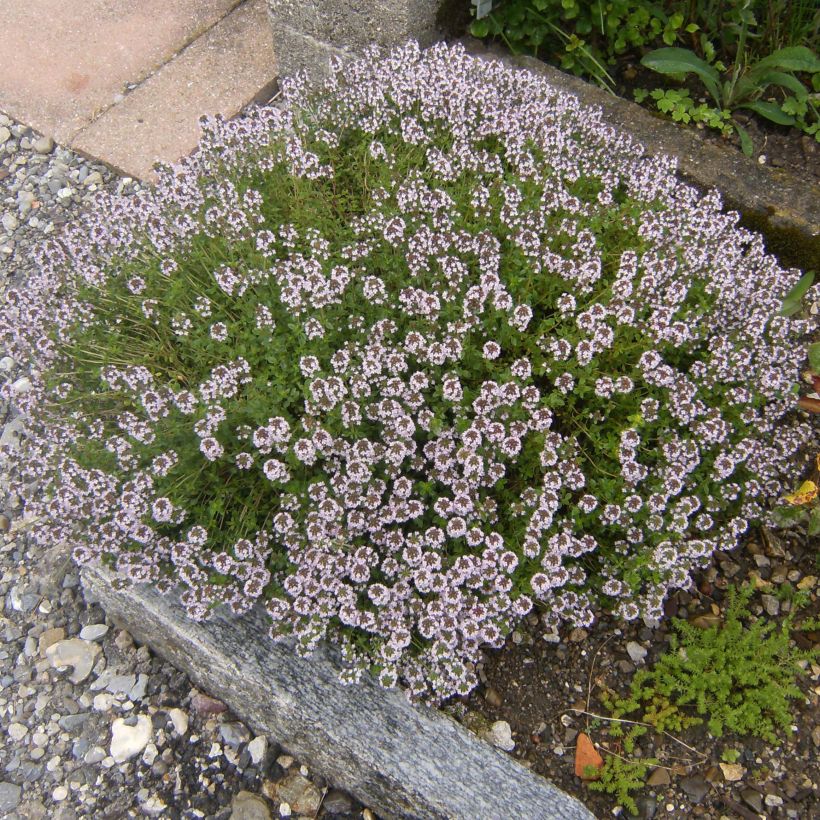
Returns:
(422, 350)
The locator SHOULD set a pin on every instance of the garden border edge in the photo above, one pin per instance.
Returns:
(403, 761)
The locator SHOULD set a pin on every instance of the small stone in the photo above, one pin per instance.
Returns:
(753, 799)
(732, 771)
(179, 719)
(636, 652)
(121, 684)
(696, 787)
(257, 749)
(285, 761)
(659, 777)
(773, 801)
(285, 810)
(500, 735)
(578, 634)
(337, 802)
(9, 222)
(770, 604)
(95, 755)
(59, 794)
(17, 731)
(49, 638)
(124, 642)
(153, 806)
(492, 697)
(5, 135)
(103, 702)
(205, 705)
(137, 691)
(75, 653)
(71, 723)
(249, 806)
(127, 741)
(234, 734)
(150, 754)
(93, 632)
(44, 145)
(300, 794)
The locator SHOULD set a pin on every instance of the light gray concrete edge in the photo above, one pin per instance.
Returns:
(404, 761)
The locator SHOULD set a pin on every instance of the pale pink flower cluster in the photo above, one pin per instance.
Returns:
(488, 409)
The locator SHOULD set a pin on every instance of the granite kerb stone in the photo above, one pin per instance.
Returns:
(402, 760)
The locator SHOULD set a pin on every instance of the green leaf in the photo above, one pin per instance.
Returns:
(746, 144)
(793, 58)
(788, 81)
(683, 61)
(814, 521)
(793, 299)
(769, 110)
(692, 28)
(480, 29)
(814, 357)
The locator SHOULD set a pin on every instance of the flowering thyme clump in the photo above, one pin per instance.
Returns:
(405, 360)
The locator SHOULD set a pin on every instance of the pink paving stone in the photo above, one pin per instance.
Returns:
(228, 67)
(64, 61)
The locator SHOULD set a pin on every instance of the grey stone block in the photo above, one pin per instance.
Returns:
(403, 761)
(307, 33)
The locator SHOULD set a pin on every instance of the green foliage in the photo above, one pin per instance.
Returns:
(739, 677)
(745, 85)
(680, 106)
(765, 42)
(793, 300)
(620, 777)
(579, 35)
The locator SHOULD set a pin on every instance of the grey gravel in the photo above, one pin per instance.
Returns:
(92, 725)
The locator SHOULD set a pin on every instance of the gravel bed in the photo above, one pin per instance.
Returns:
(93, 725)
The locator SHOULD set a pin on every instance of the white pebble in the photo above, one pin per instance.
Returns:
(93, 632)
(17, 731)
(22, 385)
(257, 749)
(127, 741)
(60, 793)
(179, 719)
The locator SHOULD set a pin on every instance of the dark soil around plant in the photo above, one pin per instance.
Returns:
(774, 145)
(550, 691)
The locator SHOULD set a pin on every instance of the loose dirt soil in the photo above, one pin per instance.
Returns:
(549, 691)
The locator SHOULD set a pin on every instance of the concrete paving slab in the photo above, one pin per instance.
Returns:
(65, 61)
(228, 67)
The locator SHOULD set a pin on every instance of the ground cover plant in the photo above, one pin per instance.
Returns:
(404, 360)
(736, 673)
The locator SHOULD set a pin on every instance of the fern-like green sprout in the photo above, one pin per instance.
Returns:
(620, 777)
(740, 677)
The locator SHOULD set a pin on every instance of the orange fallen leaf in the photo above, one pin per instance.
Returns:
(810, 404)
(586, 755)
